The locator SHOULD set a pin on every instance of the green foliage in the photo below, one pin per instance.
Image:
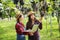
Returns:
(6, 4)
(50, 9)
(7, 30)
(9, 3)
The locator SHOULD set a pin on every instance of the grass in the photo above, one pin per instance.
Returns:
(7, 30)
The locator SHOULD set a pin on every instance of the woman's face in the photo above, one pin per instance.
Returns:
(32, 17)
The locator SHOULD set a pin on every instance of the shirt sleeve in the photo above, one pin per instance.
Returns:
(40, 24)
(19, 29)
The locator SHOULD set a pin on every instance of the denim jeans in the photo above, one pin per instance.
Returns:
(20, 37)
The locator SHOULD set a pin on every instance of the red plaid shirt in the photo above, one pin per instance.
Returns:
(20, 28)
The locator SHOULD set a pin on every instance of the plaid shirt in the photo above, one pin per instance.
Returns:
(20, 29)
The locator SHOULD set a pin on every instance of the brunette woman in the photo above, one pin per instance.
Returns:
(20, 27)
(31, 22)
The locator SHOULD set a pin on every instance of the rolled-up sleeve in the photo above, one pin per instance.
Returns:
(19, 29)
(40, 26)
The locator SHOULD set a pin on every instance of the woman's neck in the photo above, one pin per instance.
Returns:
(21, 21)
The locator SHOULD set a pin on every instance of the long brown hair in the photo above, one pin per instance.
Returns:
(29, 16)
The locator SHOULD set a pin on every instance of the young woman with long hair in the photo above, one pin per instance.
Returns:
(21, 32)
(30, 24)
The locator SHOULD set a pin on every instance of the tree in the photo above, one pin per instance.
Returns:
(8, 4)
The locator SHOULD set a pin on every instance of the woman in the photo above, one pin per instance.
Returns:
(31, 22)
(20, 27)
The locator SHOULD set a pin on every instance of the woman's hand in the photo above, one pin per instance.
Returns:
(31, 34)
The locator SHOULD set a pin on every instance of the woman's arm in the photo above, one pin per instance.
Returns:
(28, 28)
(21, 30)
(40, 26)
(40, 23)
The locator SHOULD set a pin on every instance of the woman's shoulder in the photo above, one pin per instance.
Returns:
(37, 21)
(17, 24)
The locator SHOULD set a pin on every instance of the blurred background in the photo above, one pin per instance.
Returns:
(50, 9)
